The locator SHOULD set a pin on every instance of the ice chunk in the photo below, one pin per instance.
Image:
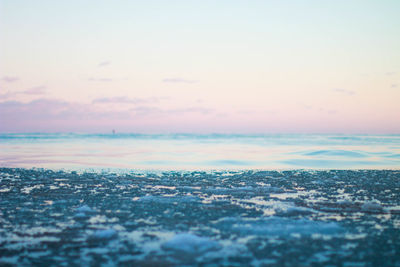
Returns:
(84, 208)
(190, 244)
(294, 211)
(80, 215)
(277, 226)
(371, 206)
(345, 202)
(165, 199)
(103, 234)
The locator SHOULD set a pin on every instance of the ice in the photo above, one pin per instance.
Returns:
(294, 211)
(103, 234)
(371, 206)
(224, 218)
(84, 209)
(5, 190)
(9, 260)
(80, 215)
(245, 189)
(190, 244)
(345, 202)
(168, 199)
(276, 226)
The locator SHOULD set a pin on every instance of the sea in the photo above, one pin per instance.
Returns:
(73, 151)
(199, 200)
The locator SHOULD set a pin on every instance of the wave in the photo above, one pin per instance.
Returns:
(341, 153)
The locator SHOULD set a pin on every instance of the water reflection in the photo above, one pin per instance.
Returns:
(188, 152)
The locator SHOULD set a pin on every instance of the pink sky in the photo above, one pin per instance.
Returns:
(199, 67)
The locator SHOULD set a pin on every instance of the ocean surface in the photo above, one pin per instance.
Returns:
(199, 200)
(199, 152)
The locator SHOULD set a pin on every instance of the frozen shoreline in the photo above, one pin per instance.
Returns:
(338, 217)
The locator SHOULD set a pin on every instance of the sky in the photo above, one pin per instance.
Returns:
(205, 66)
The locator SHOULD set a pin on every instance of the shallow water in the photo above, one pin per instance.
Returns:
(199, 152)
(225, 218)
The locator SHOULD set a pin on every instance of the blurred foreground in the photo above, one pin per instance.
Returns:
(348, 218)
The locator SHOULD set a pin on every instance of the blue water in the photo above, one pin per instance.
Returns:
(199, 152)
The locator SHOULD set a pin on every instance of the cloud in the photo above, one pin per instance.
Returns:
(111, 100)
(390, 73)
(190, 110)
(343, 91)
(177, 80)
(37, 90)
(126, 100)
(394, 85)
(45, 107)
(142, 107)
(104, 63)
(57, 116)
(9, 79)
(148, 110)
(7, 95)
(328, 111)
(100, 79)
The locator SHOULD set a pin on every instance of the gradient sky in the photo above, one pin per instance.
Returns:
(232, 66)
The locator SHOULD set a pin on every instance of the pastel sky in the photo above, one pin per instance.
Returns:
(234, 66)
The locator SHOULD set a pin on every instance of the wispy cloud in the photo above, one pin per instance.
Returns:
(148, 110)
(328, 111)
(100, 79)
(126, 100)
(394, 85)
(44, 109)
(201, 110)
(57, 115)
(37, 90)
(343, 91)
(177, 80)
(390, 73)
(104, 63)
(111, 100)
(9, 79)
(7, 95)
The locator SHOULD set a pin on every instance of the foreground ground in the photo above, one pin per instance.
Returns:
(290, 218)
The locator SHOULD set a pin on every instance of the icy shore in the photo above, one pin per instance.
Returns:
(249, 218)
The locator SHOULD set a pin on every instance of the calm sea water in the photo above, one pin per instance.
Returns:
(199, 152)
